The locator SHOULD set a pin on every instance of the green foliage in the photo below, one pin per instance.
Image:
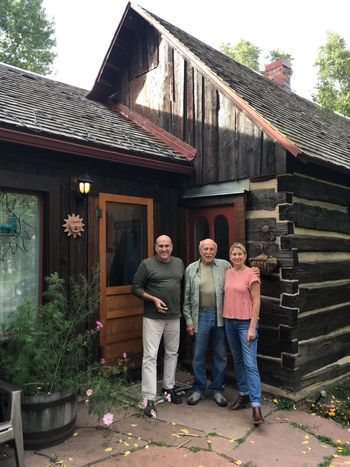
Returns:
(249, 54)
(277, 54)
(48, 345)
(244, 52)
(333, 84)
(105, 387)
(284, 404)
(26, 35)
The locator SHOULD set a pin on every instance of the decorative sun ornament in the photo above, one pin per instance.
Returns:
(74, 225)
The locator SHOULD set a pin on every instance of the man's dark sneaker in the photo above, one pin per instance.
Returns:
(171, 396)
(150, 409)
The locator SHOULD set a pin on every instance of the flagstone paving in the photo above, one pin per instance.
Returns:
(203, 435)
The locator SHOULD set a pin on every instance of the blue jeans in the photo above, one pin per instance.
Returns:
(207, 329)
(245, 360)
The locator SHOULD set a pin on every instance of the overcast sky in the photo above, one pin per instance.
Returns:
(85, 28)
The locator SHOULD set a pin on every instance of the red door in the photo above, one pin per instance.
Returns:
(217, 223)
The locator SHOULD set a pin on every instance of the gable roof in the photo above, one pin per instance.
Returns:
(301, 126)
(40, 112)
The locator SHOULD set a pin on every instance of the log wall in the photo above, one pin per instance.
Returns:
(305, 313)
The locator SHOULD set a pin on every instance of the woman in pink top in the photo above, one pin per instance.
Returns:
(241, 313)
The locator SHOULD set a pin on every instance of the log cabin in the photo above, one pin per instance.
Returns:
(181, 139)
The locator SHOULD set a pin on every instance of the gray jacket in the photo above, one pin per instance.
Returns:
(191, 299)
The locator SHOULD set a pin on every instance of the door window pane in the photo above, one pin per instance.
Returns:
(202, 232)
(19, 251)
(126, 241)
(221, 236)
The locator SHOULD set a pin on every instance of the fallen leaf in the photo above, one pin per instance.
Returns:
(184, 430)
(323, 446)
(231, 441)
(338, 441)
(208, 441)
(251, 441)
(133, 424)
(336, 455)
(147, 446)
(75, 434)
(126, 453)
(108, 449)
(304, 452)
(309, 449)
(238, 462)
(135, 445)
(305, 442)
(70, 458)
(307, 437)
(126, 444)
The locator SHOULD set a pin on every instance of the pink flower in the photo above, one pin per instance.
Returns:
(102, 361)
(167, 396)
(154, 414)
(108, 418)
(125, 355)
(99, 325)
(87, 402)
(143, 404)
(89, 392)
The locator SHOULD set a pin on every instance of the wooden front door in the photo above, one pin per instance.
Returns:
(125, 238)
(218, 223)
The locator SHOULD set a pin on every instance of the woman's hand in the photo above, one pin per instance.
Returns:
(251, 334)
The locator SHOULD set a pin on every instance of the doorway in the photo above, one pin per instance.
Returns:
(125, 239)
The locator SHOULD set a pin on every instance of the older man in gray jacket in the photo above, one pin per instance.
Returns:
(203, 302)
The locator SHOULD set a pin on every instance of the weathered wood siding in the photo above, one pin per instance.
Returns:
(177, 97)
(54, 176)
(305, 317)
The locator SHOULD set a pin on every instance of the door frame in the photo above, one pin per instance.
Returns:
(105, 290)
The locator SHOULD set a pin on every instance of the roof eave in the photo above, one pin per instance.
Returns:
(76, 149)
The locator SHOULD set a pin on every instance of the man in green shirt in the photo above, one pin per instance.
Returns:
(157, 281)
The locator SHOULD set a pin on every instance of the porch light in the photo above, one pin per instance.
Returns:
(84, 185)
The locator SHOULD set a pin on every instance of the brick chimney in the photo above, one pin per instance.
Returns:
(279, 72)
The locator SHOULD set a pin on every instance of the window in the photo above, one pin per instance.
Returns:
(19, 251)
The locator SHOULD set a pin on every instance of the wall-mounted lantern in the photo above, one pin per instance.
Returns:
(84, 185)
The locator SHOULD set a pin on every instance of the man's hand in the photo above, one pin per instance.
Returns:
(256, 271)
(190, 329)
(160, 305)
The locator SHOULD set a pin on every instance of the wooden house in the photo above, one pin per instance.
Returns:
(180, 139)
(52, 139)
(272, 170)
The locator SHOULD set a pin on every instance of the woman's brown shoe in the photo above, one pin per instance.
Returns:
(241, 403)
(257, 416)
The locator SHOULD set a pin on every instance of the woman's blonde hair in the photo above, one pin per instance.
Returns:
(238, 245)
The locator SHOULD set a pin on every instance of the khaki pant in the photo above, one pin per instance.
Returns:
(153, 330)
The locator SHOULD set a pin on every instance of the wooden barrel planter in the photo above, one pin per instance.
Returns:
(48, 419)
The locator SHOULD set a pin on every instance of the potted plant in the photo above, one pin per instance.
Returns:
(47, 350)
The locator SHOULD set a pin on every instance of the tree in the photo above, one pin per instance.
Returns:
(249, 54)
(244, 52)
(333, 81)
(26, 35)
(277, 54)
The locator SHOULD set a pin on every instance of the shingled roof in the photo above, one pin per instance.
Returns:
(302, 127)
(41, 107)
